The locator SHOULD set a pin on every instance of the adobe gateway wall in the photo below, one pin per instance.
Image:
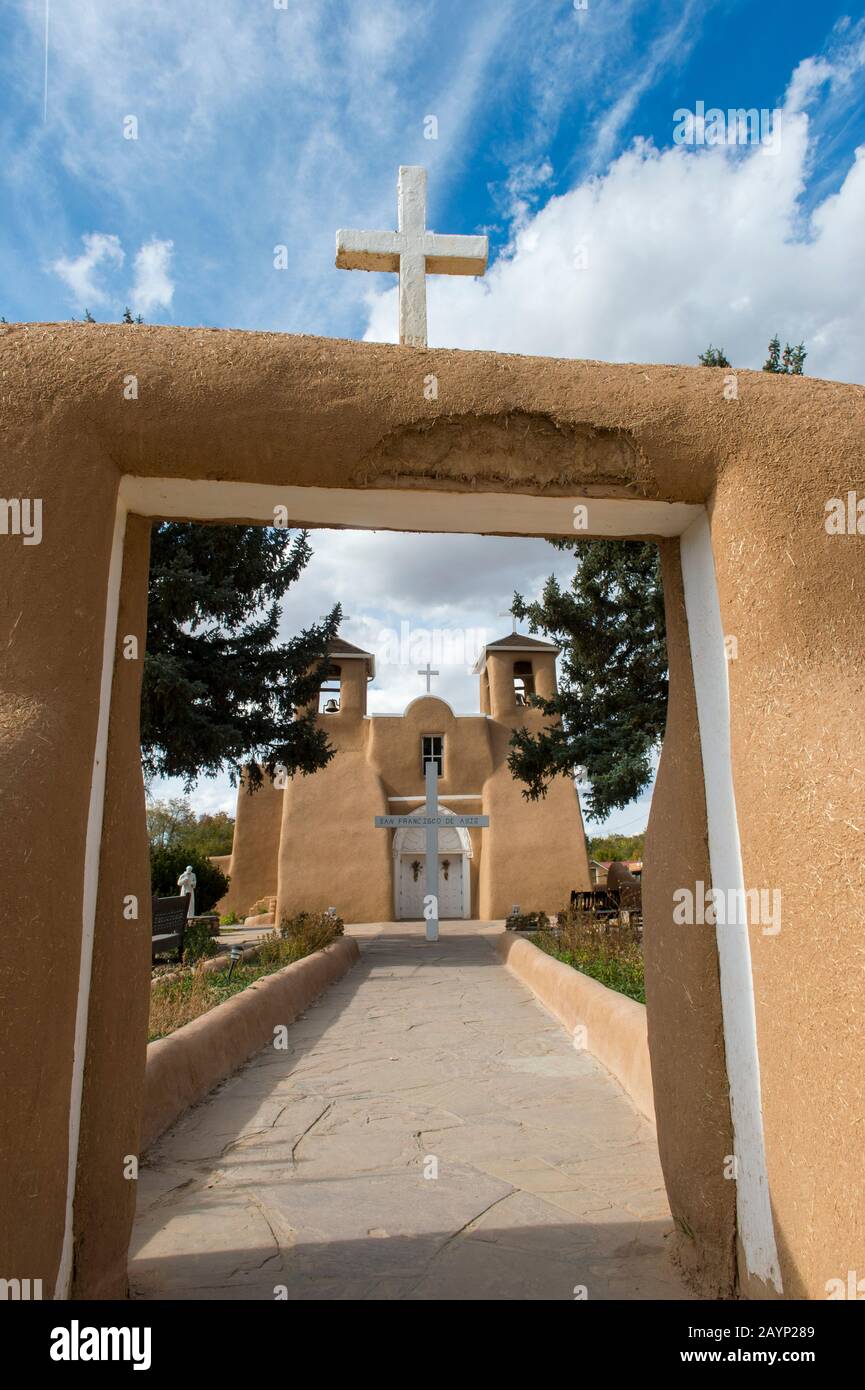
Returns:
(83, 405)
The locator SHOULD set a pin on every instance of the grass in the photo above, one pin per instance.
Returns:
(193, 991)
(612, 954)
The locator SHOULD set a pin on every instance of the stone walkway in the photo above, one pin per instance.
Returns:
(304, 1175)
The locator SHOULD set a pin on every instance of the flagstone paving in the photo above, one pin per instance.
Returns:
(310, 1173)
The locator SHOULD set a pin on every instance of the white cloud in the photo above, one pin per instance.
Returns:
(682, 246)
(80, 274)
(152, 287)
(804, 85)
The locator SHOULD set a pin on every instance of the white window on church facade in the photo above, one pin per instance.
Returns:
(432, 750)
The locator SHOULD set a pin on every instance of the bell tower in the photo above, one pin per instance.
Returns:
(342, 696)
(513, 669)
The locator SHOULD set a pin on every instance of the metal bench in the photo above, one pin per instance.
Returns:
(169, 924)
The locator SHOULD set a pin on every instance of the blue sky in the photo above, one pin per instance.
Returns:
(262, 124)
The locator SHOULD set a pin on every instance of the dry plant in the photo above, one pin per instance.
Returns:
(608, 951)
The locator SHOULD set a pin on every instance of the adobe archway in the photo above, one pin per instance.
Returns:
(227, 425)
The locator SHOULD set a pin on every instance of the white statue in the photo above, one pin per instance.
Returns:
(186, 883)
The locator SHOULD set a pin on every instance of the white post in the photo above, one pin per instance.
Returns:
(430, 822)
(432, 854)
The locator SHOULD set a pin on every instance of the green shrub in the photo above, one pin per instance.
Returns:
(527, 921)
(609, 953)
(198, 943)
(167, 864)
(230, 919)
(190, 992)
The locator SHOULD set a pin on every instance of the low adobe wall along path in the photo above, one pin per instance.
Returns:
(182, 1068)
(615, 1026)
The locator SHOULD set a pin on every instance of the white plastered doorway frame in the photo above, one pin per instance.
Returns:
(486, 513)
(465, 854)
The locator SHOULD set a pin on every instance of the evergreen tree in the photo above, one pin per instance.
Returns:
(790, 362)
(773, 361)
(713, 357)
(218, 689)
(612, 698)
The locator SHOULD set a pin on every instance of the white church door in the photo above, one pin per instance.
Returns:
(412, 870)
(412, 887)
(410, 873)
(451, 886)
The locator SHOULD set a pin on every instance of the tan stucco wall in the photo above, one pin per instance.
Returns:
(252, 866)
(613, 1027)
(295, 411)
(794, 598)
(183, 1067)
(331, 853)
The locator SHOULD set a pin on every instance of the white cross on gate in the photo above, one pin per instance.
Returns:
(412, 251)
(432, 822)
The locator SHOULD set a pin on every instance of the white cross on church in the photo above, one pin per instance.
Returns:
(412, 251)
(432, 822)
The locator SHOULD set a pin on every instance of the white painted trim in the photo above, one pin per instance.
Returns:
(711, 683)
(389, 715)
(480, 665)
(92, 852)
(461, 796)
(403, 509)
(443, 810)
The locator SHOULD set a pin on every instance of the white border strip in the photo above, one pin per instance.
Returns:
(711, 684)
(485, 513)
(92, 852)
(403, 509)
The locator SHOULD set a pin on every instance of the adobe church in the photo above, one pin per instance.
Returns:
(315, 844)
